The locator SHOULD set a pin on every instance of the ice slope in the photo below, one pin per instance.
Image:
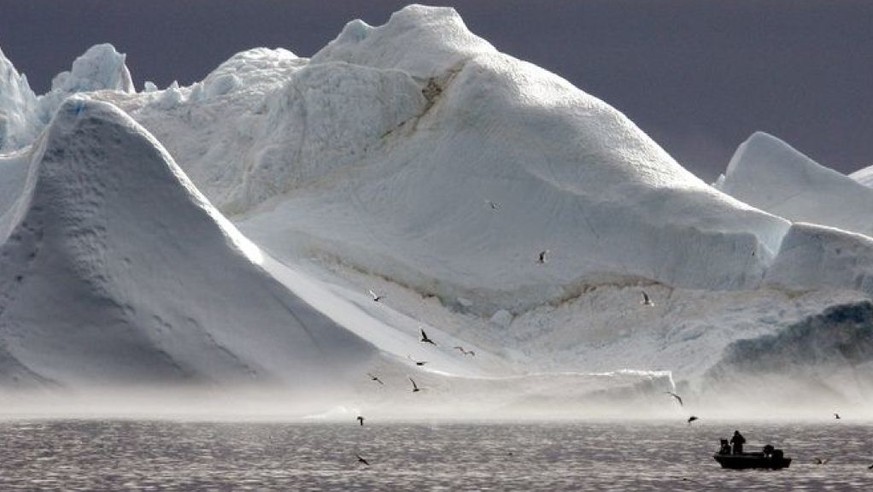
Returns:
(415, 159)
(453, 124)
(216, 128)
(144, 355)
(863, 176)
(115, 269)
(769, 174)
(384, 147)
(18, 108)
(829, 257)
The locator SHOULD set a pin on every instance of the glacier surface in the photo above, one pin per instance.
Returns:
(226, 234)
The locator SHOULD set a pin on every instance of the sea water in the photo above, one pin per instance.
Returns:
(656, 455)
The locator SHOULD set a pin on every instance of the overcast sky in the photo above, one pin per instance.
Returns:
(699, 76)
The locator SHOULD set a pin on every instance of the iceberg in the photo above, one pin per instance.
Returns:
(226, 234)
(771, 175)
(18, 107)
(116, 270)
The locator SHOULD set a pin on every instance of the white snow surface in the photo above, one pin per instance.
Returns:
(384, 147)
(23, 114)
(863, 176)
(832, 257)
(771, 175)
(117, 270)
(413, 160)
(18, 107)
(99, 68)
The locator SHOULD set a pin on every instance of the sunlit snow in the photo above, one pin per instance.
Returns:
(225, 237)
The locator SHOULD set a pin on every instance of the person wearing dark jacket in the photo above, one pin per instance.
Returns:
(737, 442)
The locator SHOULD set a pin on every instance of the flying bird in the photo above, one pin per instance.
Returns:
(820, 461)
(417, 362)
(692, 419)
(415, 388)
(360, 419)
(374, 377)
(362, 460)
(870, 467)
(465, 352)
(376, 297)
(491, 204)
(674, 395)
(425, 339)
(541, 259)
(647, 301)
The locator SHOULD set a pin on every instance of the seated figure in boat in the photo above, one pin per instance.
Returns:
(725, 447)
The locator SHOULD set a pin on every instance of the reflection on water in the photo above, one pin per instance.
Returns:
(157, 455)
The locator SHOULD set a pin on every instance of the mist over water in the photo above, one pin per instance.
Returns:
(564, 397)
(605, 455)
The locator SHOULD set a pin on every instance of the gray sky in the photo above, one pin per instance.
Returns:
(699, 76)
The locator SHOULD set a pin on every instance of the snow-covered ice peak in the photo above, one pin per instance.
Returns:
(17, 108)
(14, 85)
(115, 269)
(571, 174)
(411, 159)
(101, 67)
(250, 69)
(864, 176)
(420, 40)
(767, 173)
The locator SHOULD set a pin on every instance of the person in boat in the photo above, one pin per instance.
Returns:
(737, 442)
(725, 447)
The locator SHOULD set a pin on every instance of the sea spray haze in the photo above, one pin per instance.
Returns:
(224, 236)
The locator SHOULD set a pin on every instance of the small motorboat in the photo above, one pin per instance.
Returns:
(769, 458)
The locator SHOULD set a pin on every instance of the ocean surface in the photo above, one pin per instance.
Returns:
(656, 455)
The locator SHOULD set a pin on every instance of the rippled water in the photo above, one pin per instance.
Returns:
(159, 455)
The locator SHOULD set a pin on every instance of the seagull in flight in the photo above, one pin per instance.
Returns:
(465, 352)
(374, 377)
(376, 297)
(674, 395)
(541, 259)
(360, 419)
(491, 204)
(417, 362)
(362, 460)
(415, 388)
(425, 339)
(647, 301)
(820, 461)
(692, 419)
